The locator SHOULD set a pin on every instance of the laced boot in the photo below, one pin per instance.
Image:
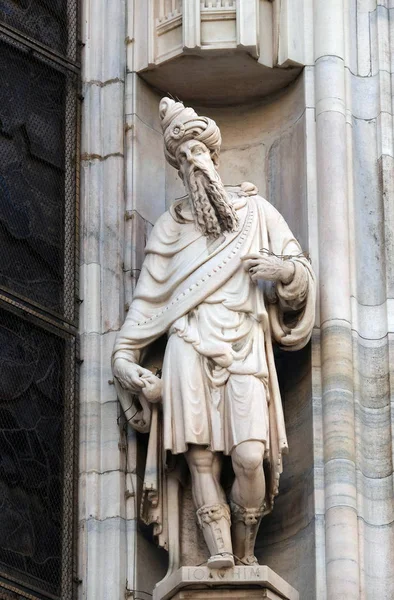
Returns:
(214, 522)
(245, 525)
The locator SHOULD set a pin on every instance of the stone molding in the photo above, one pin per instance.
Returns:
(261, 34)
(243, 578)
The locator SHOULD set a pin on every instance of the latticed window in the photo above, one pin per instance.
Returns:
(39, 79)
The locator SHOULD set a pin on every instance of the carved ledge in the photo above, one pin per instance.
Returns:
(238, 583)
(220, 51)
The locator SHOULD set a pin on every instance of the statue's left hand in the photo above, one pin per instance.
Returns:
(137, 379)
(269, 268)
(153, 387)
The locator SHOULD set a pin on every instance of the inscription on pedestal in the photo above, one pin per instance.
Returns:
(235, 574)
(259, 579)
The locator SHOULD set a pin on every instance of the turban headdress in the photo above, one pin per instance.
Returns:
(180, 124)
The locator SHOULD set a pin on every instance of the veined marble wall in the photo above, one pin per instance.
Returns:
(354, 160)
(322, 152)
(105, 524)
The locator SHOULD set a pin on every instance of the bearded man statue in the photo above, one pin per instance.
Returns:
(223, 279)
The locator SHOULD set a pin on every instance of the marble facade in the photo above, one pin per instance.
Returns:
(321, 150)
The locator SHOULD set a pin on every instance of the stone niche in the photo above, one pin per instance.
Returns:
(232, 50)
(264, 142)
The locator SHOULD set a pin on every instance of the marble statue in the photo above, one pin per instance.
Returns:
(223, 280)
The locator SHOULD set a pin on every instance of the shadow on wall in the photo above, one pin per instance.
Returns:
(286, 539)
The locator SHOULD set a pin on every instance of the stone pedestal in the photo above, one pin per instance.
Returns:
(263, 594)
(240, 583)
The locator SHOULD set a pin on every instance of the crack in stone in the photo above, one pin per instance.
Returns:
(102, 84)
(87, 157)
(114, 518)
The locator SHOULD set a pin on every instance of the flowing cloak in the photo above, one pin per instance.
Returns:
(182, 268)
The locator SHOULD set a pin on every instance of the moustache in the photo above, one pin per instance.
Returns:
(200, 171)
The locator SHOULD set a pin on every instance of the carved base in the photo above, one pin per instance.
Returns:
(239, 583)
(263, 594)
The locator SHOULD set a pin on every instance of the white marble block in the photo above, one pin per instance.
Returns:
(238, 583)
(263, 594)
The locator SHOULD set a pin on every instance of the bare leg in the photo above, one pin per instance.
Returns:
(213, 514)
(247, 497)
(249, 486)
(205, 468)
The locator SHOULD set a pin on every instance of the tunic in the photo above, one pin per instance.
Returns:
(215, 373)
(219, 376)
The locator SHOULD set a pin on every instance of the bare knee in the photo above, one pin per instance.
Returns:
(200, 459)
(248, 457)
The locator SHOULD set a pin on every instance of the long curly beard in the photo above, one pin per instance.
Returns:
(212, 211)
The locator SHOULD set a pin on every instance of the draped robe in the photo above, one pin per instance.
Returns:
(184, 271)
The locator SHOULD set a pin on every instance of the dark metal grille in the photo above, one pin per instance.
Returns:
(36, 399)
(52, 23)
(39, 84)
(37, 178)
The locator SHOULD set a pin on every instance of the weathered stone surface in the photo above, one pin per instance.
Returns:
(228, 594)
(193, 580)
(322, 151)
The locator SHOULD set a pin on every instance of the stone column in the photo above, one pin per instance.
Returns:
(373, 292)
(102, 519)
(354, 144)
(144, 202)
(341, 543)
(191, 22)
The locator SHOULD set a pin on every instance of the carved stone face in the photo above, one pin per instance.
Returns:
(209, 202)
(195, 156)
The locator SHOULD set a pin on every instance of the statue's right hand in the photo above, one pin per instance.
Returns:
(130, 375)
